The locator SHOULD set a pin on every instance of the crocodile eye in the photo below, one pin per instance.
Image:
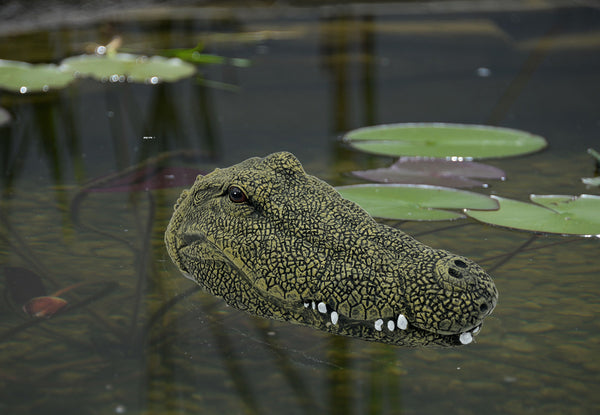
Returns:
(236, 195)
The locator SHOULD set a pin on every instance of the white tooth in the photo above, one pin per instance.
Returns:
(314, 306)
(402, 322)
(391, 325)
(306, 305)
(322, 308)
(378, 324)
(334, 317)
(476, 329)
(466, 338)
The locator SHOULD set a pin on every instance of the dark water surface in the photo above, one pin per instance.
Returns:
(139, 339)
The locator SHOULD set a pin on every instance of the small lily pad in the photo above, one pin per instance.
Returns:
(433, 171)
(122, 67)
(24, 77)
(414, 202)
(454, 141)
(566, 215)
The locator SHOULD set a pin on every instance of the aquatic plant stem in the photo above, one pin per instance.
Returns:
(163, 309)
(564, 241)
(517, 85)
(233, 366)
(142, 263)
(512, 254)
(22, 249)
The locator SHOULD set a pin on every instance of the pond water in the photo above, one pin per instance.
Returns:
(140, 339)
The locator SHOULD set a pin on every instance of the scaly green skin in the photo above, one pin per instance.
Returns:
(276, 242)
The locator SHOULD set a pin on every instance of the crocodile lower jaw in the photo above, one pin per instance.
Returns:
(387, 325)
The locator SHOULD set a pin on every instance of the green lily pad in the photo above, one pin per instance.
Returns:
(24, 77)
(122, 67)
(454, 141)
(566, 215)
(414, 202)
(195, 55)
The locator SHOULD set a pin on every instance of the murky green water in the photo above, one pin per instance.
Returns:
(153, 345)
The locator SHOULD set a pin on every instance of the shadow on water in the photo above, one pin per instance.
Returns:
(85, 199)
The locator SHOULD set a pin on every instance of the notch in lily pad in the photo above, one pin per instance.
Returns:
(452, 141)
(559, 214)
(415, 202)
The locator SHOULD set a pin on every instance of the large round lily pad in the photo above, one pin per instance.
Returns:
(444, 140)
(566, 215)
(414, 202)
(127, 67)
(24, 77)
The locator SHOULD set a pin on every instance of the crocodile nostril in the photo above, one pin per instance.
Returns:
(484, 307)
(455, 273)
(460, 264)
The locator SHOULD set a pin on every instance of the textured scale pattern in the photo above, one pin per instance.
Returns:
(279, 243)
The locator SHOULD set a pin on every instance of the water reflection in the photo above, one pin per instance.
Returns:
(151, 343)
(347, 44)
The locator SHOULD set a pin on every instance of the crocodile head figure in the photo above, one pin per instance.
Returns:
(279, 243)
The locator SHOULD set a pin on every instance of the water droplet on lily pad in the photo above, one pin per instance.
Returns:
(443, 140)
(566, 215)
(414, 202)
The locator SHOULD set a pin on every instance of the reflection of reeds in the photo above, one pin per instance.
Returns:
(141, 267)
(13, 239)
(304, 398)
(524, 247)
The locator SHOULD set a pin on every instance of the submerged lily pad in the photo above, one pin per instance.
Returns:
(122, 67)
(433, 171)
(149, 178)
(443, 140)
(566, 215)
(414, 202)
(24, 77)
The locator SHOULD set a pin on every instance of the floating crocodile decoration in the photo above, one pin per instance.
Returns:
(279, 243)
